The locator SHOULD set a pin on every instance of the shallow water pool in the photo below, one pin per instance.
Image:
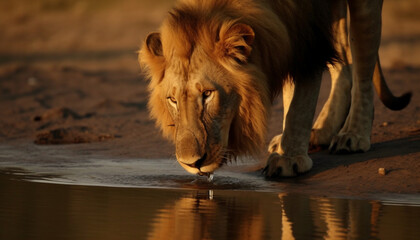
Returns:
(32, 207)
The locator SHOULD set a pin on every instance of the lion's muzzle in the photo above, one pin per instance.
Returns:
(190, 149)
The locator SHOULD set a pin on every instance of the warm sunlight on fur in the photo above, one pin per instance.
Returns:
(215, 66)
(239, 52)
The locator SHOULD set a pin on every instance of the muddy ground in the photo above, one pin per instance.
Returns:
(69, 74)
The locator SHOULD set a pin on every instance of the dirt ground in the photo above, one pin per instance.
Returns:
(69, 74)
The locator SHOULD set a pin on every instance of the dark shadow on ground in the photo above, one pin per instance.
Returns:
(324, 160)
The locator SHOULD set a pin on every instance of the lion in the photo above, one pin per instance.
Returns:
(216, 66)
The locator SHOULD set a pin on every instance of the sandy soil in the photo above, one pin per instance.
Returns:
(69, 74)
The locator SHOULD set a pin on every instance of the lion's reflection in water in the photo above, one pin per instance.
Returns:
(30, 210)
(283, 216)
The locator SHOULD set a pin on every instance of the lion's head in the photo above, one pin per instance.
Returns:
(205, 93)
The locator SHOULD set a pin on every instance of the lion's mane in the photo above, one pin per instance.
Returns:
(276, 54)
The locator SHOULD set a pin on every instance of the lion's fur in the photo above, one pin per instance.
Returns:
(288, 40)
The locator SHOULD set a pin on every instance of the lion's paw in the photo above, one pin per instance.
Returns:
(349, 143)
(274, 144)
(285, 166)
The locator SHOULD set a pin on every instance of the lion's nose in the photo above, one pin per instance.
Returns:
(197, 164)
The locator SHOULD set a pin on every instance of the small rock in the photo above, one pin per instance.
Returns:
(70, 135)
(60, 113)
(382, 171)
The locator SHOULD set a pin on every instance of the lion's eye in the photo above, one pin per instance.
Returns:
(207, 94)
(173, 100)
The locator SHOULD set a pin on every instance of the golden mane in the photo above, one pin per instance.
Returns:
(257, 78)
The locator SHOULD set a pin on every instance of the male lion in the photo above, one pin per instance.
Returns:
(217, 65)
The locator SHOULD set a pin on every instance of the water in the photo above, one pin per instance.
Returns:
(31, 207)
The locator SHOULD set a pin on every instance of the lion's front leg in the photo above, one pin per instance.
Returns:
(289, 151)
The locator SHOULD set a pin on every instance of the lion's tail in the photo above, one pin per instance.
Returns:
(386, 96)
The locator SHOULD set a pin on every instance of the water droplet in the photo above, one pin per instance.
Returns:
(210, 177)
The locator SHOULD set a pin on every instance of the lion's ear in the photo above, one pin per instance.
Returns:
(235, 41)
(151, 58)
(154, 45)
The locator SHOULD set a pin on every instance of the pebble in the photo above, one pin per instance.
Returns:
(382, 171)
(384, 124)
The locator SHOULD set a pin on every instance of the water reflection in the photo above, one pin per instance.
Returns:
(252, 217)
(31, 210)
(263, 216)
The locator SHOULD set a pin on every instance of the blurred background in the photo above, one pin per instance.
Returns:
(56, 31)
(34, 31)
